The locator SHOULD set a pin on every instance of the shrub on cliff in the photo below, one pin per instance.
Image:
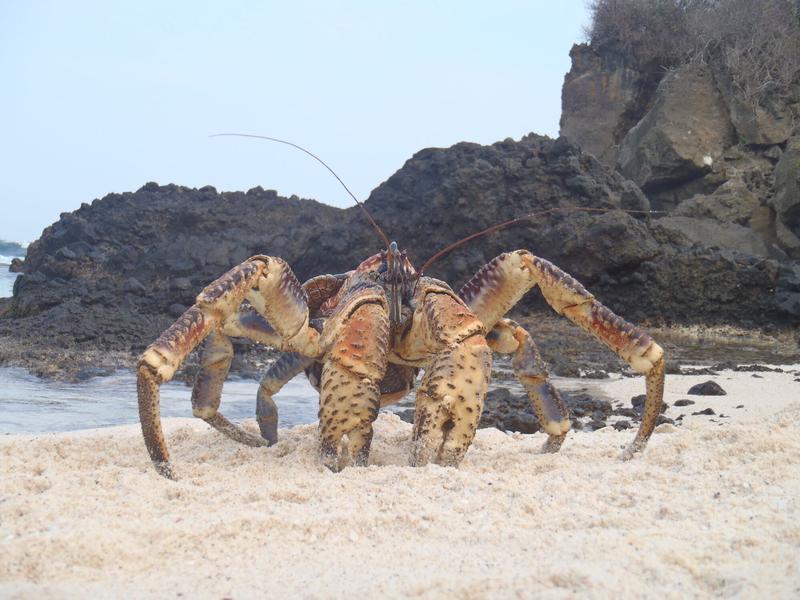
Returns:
(653, 33)
(756, 42)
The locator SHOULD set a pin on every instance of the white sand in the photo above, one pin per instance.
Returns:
(710, 509)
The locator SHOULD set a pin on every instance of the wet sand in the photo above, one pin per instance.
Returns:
(712, 508)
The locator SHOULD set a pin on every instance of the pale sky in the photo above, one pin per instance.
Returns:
(102, 97)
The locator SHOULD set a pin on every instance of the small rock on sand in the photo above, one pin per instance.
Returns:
(708, 388)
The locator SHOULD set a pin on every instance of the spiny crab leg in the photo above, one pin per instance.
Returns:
(273, 290)
(503, 281)
(156, 366)
(451, 394)
(508, 337)
(358, 338)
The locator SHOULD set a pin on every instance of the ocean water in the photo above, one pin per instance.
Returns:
(6, 279)
(31, 405)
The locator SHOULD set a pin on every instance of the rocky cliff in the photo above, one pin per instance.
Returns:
(114, 273)
(725, 167)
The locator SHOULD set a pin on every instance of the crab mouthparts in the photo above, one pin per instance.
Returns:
(394, 266)
(395, 302)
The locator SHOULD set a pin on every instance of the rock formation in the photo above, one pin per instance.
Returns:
(113, 274)
(681, 136)
(723, 167)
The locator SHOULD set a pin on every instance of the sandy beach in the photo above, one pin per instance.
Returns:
(711, 509)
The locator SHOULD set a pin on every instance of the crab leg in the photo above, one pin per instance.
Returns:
(351, 376)
(451, 394)
(269, 284)
(283, 370)
(249, 324)
(507, 337)
(502, 282)
(156, 366)
(215, 362)
(449, 403)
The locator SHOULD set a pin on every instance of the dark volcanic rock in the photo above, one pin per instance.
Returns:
(114, 274)
(786, 200)
(705, 411)
(708, 388)
(638, 404)
(638, 401)
(508, 412)
(442, 195)
(684, 402)
(513, 412)
(16, 265)
(758, 369)
(119, 267)
(699, 371)
(118, 270)
(581, 404)
(595, 374)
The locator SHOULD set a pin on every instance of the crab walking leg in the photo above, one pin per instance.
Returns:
(157, 366)
(349, 405)
(451, 394)
(450, 402)
(215, 361)
(350, 384)
(509, 337)
(215, 364)
(249, 324)
(269, 284)
(502, 282)
(283, 370)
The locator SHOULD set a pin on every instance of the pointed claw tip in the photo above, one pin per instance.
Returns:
(330, 460)
(165, 470)
(632, 450)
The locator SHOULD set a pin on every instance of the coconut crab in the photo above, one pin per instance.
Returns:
(362, 337)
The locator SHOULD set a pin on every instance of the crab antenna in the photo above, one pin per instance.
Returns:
(505, 224)
(324, 164)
